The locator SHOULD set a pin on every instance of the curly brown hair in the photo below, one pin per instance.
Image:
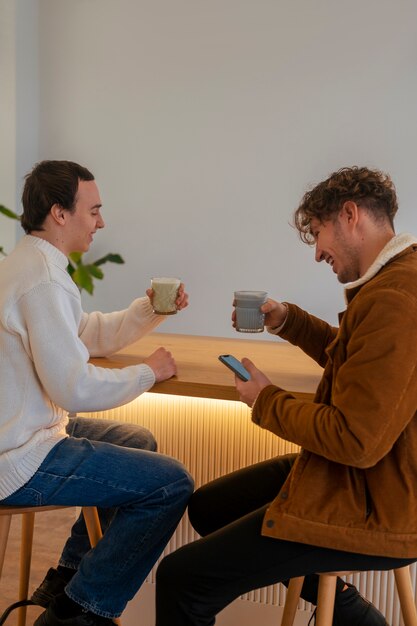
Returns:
(371, 189)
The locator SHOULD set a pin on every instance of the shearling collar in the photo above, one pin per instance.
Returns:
(395, 245)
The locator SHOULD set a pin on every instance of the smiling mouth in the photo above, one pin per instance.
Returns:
(330, 261)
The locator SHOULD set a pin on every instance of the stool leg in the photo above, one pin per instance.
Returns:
(4, 535)
(291, 601)
(325, 600)
(28, 522)
(92, 522)
(406, 595)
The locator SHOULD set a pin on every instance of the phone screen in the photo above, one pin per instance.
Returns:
(236, 366)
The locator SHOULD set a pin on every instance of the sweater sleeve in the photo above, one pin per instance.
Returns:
(308, 332)
(374, 388)
(48, 321)
(106, 333)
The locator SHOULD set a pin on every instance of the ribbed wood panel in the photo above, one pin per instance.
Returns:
(213, 437)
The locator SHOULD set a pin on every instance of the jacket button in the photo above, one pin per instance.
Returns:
(270, 523)
(284, 495)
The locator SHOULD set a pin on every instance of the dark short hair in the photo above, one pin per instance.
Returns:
(49, 183)
(371, 189)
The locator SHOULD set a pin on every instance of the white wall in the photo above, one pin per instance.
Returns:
(205, 121)
(7, 121)
(19, 105)
(28, 89)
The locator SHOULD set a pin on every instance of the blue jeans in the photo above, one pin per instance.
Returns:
(141, 497)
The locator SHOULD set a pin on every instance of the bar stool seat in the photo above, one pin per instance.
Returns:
(327, 592)
(28, 520)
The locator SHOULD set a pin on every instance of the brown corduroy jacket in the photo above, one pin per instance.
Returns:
(353, 486)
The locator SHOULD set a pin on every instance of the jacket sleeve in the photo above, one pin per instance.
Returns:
(374, 388)
(106, 333)
(308, 332)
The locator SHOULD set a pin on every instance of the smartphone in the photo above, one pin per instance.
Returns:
(236, 366)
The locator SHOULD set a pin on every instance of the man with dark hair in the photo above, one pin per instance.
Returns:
(49, 183)
(46, 341)
(347, 501)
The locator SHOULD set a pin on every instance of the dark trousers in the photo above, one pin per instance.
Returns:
(197, 581)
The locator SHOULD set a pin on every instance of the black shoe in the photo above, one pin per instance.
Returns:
(85, 618)
(352, 608)
(52, 585)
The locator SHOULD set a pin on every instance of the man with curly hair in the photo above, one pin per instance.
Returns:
(347, 501)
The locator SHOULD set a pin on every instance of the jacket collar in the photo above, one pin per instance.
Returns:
(392, 249)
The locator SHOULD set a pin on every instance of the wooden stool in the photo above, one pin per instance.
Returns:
(327, 592)
(28, 520)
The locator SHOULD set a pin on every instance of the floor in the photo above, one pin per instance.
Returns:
(51, 531)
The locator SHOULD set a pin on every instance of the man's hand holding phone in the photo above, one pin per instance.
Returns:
(250, 390)
(248, 379)
(236, 366)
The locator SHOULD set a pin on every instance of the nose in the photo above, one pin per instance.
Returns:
(100, 222)
(319, 254)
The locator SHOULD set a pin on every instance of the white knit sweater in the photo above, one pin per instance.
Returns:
(46, 341)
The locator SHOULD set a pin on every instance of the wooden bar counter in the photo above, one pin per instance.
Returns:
(200, 373)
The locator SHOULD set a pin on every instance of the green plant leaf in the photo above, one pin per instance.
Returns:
(82, 278)
(76, 257)
(9, 213)
(84, 275)
(94, 271)
(111, 257)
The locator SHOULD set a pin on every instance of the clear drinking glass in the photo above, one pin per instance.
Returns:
(165, 292)
(249, 318)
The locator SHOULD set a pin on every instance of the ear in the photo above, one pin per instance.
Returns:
(349, 213)
(58, 214)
